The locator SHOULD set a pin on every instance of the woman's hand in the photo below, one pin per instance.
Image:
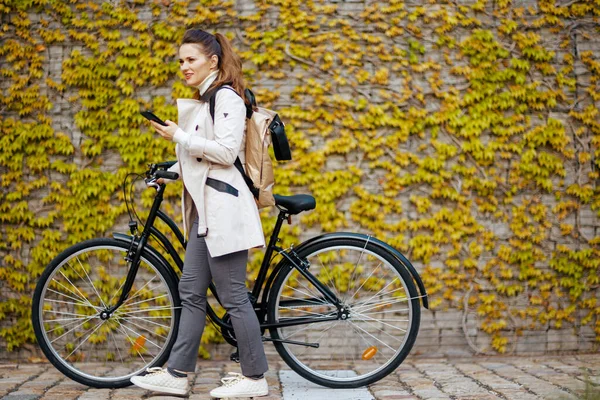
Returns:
(166, 132)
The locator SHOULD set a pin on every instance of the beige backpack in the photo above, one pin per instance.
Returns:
(263, 128)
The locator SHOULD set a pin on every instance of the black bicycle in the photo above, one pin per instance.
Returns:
(342, 309)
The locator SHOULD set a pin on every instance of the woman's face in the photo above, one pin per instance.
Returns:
(194, 65)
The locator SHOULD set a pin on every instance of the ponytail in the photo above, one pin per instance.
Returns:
(230, 67)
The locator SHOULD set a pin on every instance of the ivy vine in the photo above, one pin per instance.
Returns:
(467, 136)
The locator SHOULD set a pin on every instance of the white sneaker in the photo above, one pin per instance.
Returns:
(159, 380)
(237, 385)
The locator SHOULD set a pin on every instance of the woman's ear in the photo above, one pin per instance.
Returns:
(214, 61)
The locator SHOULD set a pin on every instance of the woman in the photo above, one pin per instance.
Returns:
(220, 213)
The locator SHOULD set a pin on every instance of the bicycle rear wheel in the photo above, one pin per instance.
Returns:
(373, 333)
(70, 296)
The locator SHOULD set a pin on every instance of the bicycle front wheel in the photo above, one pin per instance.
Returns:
(74, 290)
(364, 340)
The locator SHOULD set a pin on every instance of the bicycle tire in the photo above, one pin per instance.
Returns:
(77, 285)
(351, 356)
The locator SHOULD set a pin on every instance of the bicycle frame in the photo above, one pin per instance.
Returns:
(138, 244)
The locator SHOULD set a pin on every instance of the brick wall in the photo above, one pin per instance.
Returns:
(451, 332)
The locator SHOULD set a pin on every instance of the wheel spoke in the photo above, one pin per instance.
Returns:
(313, 303)
(355, 268)
(330, 282)
(382, 297)
(382, 304)
(145, 300)
(152, 309)
(118, 291)
(71, 330)
(85, 304)
(300, 281)
(82, 298)
(365, 281)
(81, 295)
(81, 316)
(362, 336)
(116, 346)
(383, 343)
(382, 330)
(145, 319)
(144, 328)
(89, 280)
(323, 333)
(70, 302)
(378, 293)
(63, 326)
(365, 318)
(301, 292)
(98, 325)
(120, 327)
(307, 326)
(137, 334)
(138, 292)
(395, 310)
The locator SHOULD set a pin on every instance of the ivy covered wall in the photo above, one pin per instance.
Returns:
(465, 133)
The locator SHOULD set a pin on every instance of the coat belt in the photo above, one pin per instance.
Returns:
(221, 186)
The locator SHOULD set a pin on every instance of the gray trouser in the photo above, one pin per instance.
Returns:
(229, 275)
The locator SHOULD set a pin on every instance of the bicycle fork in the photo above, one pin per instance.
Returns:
(135, 253)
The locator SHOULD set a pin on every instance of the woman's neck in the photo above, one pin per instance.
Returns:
(207, 82)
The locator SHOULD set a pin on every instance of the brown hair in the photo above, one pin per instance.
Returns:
(230, 64)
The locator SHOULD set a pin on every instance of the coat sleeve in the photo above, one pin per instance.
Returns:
(230, 120)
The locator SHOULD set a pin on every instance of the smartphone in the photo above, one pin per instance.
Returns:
(150, 116)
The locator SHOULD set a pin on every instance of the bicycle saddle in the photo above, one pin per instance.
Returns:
(297, 203)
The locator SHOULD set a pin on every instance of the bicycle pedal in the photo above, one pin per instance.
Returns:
(235, 357)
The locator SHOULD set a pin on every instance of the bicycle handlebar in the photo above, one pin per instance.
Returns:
(158, 171)
(160, 168)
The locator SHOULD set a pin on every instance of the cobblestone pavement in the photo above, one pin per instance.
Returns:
(476, 378)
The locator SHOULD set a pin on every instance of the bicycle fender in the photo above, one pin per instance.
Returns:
(151, 250)
(351, 235)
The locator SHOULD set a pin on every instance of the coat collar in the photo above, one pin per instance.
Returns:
(207, 82)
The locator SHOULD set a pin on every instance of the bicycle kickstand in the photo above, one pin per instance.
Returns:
(235, 356)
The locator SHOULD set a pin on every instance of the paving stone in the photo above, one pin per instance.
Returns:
(21, 397)
(95, 394)
(387, 394)
(476, 378)
(200, 396)
(295, 387)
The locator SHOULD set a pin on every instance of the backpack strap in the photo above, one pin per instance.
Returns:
(213, 98)
(237, 163)
(249, 183)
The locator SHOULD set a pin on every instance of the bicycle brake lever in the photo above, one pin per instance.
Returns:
(151, 182)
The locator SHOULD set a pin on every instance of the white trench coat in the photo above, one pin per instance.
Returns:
(205, 150)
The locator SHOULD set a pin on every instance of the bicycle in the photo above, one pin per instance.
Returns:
(342, 309)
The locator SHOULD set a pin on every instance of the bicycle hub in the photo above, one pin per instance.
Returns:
(104, 315)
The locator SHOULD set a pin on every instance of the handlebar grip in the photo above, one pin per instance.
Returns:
(165, 164)
(167, 175)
